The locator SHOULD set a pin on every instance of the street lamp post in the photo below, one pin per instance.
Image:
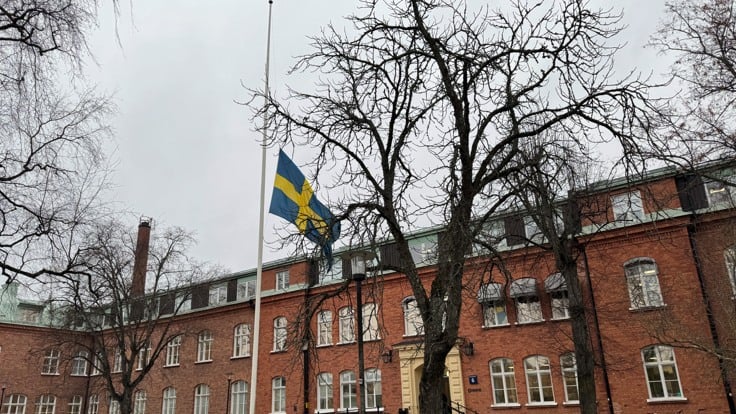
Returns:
(357, 271)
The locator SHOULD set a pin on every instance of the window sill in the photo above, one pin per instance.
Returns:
(204, 361)
(240, 356)
(171, 366)
(542, 404)
(509, 405)
(530, 322)
(50, 374)
(323, 411)
(666, 400)
(278, 351)
(563, 318)
(648, 308)
(325, 346)
(77, 375)
(345, 343)
(501, 325)
(571, 404)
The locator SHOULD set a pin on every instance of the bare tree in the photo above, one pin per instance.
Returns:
(51, 132)
(121, 331)
(422, 108)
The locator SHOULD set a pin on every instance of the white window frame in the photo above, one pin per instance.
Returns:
(729, 258)
(279, 334)
(204, 346)
(239, 397)
(241, 341)
(173, 348)
(144, 357)
(531, 229)
(627, 207)
(201, 399)
(506, 395)
(643, 283)
(413, 324)
(661, 364)
(569, 369)
(113, 407)
(373, 389)
(93, 404)
(718, 192)
(75, 405)
(278, 395)
(79, 365)
(348, 391)
(324, 328)
(96, 367)
(16, 404)
(494, 313)
(560, 304)
(282, 280)
(217, 294)
(51, 362)
(371, 332)
(528, 309)
(346, 325)
(246, 289)
(538, 371)
(168, 401)
(46, 404)
(139, 402)
(325, 395)
(117, 361)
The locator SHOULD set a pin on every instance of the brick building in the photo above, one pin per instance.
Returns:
(657, 269)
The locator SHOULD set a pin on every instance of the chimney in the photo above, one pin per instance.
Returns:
(140, 264)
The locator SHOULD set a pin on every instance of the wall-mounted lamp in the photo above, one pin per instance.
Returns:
(467, 348)
(387, 355)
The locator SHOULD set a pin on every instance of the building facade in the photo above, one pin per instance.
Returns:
(656, 263)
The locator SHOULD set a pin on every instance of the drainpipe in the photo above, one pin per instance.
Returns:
(599, 339)
(709, 313)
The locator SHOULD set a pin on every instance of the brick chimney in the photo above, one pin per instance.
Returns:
(140, 264)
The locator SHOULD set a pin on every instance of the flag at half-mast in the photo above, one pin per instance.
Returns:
(294, 200)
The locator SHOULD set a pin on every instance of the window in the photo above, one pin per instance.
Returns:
(239, 397)
(16, 404)
(528, 307)
(627, 207)
(539, 380)
(172, 351)
(79, 365)
(46, 404)
(413, 324)
(279, 334)
(556, 287)
(75, 405)
(204, 346)
(218, 294)
(93, 404)
(144, 356)
(504, 382)
(373, 393)
(168, 405)
(139, 402)
(324, 392)
(491, 298)
(246, 289)
(282, 280)
(570, 377)
(661, 371)
(347, 332)
(51, 362)
(720, 191)
(324, 328)
(531, 229)
(117, 361)
(348, 391)
(278, 395)
(96, 367)
(241, 341)
(729, 256)
(370, 322)
(201, 399)
(184, 302)
(114, 407)
(643, 283)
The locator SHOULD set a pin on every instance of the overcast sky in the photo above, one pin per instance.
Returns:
(186, 154)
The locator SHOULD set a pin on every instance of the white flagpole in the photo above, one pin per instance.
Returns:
(259, 269)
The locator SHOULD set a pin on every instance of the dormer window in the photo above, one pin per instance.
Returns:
(627, 207)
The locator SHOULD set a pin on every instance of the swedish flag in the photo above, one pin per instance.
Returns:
(294, 200)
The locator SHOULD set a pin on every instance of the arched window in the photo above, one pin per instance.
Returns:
(491, 298)
(16, 404)
(346, 328)
(324, 391)
(538, 380)
(373, 391)
(168, 405)
(370, 322)
(139, 402)
(528, 307)
(348, 391)
(79, 365)
(279, 334)
(46, 404)
(278, 395)
(413, 324)
(201, 399)
(556, 287)
(93, 404)
(570, 377)
(204, 346)
(324, 328)
(172, 351)
(241, 340)
(239, 397)
(660, 368)
(504, 382)
(113, 407)
(642, 278)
